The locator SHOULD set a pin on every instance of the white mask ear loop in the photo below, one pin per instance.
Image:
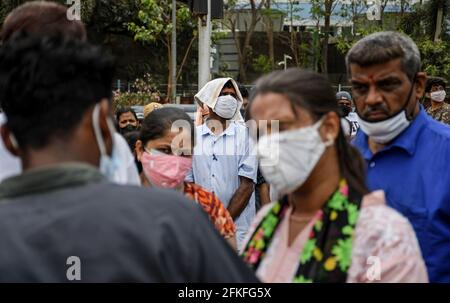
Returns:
(112, 129)
(97, 132)
(330, 140)
(14, 142)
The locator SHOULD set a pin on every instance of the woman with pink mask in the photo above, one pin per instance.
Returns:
(165, 149)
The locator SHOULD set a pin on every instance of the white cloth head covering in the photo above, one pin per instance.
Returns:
(210, 93)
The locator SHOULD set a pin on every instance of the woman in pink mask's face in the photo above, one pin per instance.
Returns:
(167, 160)
(165, 151)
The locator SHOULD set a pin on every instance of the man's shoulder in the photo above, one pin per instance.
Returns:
(438, 130)
(241, 130)
(240, 125)
(446, 107)
(102, 197)
(141, 197)
(352, 117)
(360, 140)
(446, 114)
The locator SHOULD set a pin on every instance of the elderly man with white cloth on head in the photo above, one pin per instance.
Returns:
(224, 161)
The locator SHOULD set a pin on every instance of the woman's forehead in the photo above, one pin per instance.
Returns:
(271, 106)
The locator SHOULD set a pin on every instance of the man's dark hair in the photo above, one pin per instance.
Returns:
(229, 84)
(343, 95)
(316, 95)
(160, 121)
(42, 18)
(432, 81)
(122, 110)
(382, 47)
(47, 84)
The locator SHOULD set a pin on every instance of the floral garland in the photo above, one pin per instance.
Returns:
(326, 256)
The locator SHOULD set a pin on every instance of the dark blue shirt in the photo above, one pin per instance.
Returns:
(118, 233)
(414, 172)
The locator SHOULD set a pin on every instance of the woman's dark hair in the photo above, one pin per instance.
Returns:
(314, 93)
(160, 121)
(123, 110)
(131, 138)
(42, 18)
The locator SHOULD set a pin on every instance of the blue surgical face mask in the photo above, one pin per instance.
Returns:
(108, 164)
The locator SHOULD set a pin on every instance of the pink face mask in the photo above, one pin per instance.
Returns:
(163, 170)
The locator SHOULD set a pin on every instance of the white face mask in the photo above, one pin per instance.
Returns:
(385, 131)
(108, 164)
(226, 107)
(438, 96)
(288, 158)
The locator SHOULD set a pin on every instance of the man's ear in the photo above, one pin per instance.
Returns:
(139, 149)
(107, 128)
(9, 141)
(421, 80)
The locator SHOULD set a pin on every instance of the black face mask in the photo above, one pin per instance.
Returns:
(128, 128)
(345, 109)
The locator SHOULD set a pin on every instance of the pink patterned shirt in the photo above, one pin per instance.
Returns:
(385, 248)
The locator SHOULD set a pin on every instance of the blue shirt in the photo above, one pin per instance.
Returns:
(218, 163)
(414, 172)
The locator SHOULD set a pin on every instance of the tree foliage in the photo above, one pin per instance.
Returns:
(435, 57)
(155, 25)
(420, 25)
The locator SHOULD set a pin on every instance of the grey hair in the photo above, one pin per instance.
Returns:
(381, 47)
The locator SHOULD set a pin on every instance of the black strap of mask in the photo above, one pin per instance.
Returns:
(409, 116)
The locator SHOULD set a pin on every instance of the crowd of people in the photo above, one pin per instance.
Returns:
(290, 182)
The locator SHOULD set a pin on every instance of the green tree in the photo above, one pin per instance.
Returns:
(155, 25)
(110, 16)
(435, 54)
(322, 10)
(435, 57)
(244, 48)
(428, 19)
(269, 14)
(262, 64)
(301, 50)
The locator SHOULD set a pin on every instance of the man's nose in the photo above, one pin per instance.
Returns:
(374, 96)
